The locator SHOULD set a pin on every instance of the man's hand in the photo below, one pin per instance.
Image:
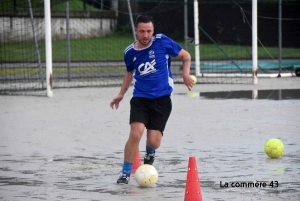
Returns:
(188, 81)
(115, 102)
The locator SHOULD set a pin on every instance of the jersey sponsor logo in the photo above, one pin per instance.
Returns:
(147, 68)
(151, 54)
(134, 58)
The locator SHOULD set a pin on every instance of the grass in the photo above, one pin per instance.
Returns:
(111, 48)
(74, 5)
(75, 70)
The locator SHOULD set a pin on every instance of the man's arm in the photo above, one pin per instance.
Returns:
(186, 62)
(126, 84)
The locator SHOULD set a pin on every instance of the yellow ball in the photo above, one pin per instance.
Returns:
(192, 94)
(194, 79)
(274, 148)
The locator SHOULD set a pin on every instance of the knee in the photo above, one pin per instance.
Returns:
(136, 131)
(135, 135)
(154, 143)
(154, 138)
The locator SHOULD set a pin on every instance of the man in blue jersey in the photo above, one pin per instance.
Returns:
(148, 65)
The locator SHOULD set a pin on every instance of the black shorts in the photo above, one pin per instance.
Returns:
(154, 113)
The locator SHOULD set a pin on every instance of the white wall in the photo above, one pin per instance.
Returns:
(20, 28)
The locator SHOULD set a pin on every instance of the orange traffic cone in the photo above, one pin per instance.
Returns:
(137, 162)
(192, 188)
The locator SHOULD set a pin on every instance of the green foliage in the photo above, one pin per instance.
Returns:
(124, 28)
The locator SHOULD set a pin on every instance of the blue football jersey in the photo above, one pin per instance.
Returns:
(152, 77)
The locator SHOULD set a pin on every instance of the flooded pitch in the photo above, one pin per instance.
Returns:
(70, 147)
(279, 94)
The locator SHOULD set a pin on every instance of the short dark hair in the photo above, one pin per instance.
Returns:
(144, 18)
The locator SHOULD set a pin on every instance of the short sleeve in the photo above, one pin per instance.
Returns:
(172, 48)
(127, 58)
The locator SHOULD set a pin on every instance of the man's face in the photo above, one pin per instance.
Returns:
(144, 32)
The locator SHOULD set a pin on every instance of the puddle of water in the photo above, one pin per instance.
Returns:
(279, 94)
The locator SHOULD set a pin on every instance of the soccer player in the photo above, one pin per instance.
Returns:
(148, 63)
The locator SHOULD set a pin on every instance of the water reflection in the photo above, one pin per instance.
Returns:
(279, 94)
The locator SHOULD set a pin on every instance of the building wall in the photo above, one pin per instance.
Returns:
(19, 27)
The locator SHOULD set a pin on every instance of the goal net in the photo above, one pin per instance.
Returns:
(89, 38)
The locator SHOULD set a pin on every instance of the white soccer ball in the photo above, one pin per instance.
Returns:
(146, 175)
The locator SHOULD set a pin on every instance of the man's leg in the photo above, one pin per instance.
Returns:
(130, 151)
(153, 142)
(153, 138)
(132, 145)
(161, 110)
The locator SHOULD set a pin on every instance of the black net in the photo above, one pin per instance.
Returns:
(89, 38)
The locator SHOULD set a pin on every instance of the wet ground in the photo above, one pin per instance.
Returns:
(274, 94)
(70, 147)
